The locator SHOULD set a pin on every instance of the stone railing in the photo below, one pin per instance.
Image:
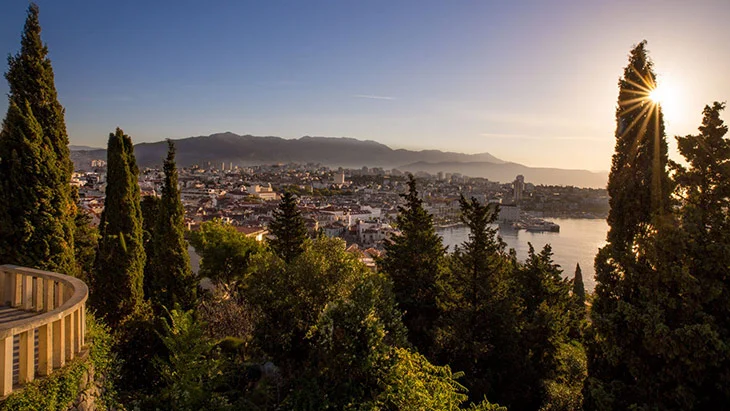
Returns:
(38, 344)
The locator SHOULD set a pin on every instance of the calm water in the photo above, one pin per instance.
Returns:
(577, 242)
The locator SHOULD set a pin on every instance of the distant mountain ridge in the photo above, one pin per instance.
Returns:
(348, 152)
(506, 172)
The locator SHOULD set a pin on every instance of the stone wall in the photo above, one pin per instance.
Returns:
(91, 389)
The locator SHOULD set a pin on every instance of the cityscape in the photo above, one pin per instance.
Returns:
(430, 206)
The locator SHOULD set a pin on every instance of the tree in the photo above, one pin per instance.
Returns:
(150, 206)
(480, 326)
(86, 242)
(289, 298)
(36, 206)
(641, 315)
(119, 268)
(638, 185)
(288, 228)
(172, 279)
(547, 315)
(414, 261)
(579, 290)
(224, 251)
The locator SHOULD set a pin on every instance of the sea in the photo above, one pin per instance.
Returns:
(577, 243)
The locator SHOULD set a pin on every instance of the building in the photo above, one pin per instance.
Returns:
(519, 188)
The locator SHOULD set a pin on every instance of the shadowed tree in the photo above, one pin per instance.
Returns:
(480, 326)
(172, 279)
(579, 290)
(289, 229)
(636, 316)
(36, 205)
(414, 260)
(119, 268)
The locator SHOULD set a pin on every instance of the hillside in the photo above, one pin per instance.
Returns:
(250, 150)
(506, 172)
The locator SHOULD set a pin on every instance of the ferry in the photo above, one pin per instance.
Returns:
(542, 225)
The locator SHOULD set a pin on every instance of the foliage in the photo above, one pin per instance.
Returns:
(225, 252)
(86, 240)
(545, 321)
(119, 268)
(658, 335)
(150, 207)
(60, 389)
(412, 383)
(289, 298)
(226, 314)
(288, 228)
(172, 281)
(564, 392)
(638, 184)
(579, 290)
(414, 261)
(36, 205)
(137, 343)
(189, 367)
(354, 333)
(479, 330)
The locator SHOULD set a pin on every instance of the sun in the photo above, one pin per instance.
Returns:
(658, 95)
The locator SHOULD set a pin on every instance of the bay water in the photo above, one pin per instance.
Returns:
(577, 242)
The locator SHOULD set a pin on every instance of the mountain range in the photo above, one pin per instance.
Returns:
(250, 150)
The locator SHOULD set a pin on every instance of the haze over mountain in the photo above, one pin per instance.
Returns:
(250, 150)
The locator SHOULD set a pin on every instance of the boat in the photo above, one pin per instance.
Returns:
(542, 225)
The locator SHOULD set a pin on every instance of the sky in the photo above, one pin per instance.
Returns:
(534, 82)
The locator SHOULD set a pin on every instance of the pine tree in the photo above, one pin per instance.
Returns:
(288, 228)
(480, 325)
(414, 261)
(172, 279)
(119, 269)
(579, 290)
(703, 242)
(545, 321)
(36, 206)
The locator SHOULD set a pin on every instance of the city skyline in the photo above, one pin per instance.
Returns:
(529, 82)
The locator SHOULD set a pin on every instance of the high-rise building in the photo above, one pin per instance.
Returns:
(518, 187)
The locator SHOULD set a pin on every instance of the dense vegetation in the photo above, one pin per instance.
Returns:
(300, 323)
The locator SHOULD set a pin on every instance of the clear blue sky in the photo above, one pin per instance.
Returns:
(528, 81)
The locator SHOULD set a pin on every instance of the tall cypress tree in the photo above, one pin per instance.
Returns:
(172, 279)
(635, 291)
(119, 269)
(414, 261)
(638, 184)
(288, 228)
(36, 206)
(579, 290)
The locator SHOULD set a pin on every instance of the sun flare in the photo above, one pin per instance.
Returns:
(658, 95)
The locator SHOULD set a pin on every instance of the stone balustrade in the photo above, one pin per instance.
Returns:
(50, 337)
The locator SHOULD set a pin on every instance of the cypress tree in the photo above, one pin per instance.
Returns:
(289, 229)
(172, 279)
(414, 260)
(118, 275)
(638, 184)
(579, 290)
(150, 206)
(637, 293)
(36, 206)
